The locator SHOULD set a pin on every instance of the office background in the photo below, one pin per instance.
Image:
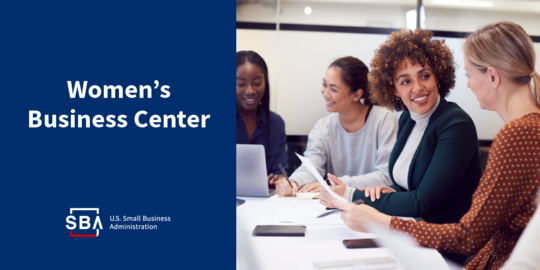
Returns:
(299, 47)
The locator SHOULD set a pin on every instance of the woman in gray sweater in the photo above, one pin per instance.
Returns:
(354, 142)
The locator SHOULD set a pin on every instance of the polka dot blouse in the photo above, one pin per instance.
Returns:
(503, 203)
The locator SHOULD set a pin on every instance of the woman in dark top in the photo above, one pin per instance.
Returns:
(499, 61)
(434, 165)
(255, 123)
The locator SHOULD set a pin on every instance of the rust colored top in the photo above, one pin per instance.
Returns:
(503, 203)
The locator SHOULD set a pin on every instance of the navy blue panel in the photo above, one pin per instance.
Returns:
(180, 174)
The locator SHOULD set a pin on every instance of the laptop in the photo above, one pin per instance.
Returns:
(251, 175)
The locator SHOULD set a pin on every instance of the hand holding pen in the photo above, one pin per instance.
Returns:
(284, 186)
(284, 174)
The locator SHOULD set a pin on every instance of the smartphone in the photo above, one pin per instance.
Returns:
(360, 243)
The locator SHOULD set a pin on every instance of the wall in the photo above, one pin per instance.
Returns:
(524, 13)
(327, 14)
(298, 61)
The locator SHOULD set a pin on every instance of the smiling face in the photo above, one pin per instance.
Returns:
(250, 86)
(479, 83)
(336, 93)
(416, 86)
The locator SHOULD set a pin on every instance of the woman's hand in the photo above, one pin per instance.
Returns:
(356, 217)
(339, 188)
(284, 189)
(375, 192)
(313, 187)
(325, 198)
(273, 178)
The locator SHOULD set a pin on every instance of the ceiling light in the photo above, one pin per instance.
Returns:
(411, 18)
(307, 10)
(469, 3)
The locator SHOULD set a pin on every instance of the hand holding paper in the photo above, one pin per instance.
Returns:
(315, 173)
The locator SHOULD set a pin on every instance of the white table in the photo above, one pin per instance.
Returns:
(323, 242)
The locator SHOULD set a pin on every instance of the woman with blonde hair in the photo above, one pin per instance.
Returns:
(500, 64)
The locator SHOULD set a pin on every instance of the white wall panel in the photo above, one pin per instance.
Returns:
(304, 57)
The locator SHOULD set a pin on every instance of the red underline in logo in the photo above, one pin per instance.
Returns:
(81, 235)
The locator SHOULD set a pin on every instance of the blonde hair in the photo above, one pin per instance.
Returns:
(506, 47)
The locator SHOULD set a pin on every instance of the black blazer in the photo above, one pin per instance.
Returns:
(444, 171)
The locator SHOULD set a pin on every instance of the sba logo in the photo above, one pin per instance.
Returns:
(84, 222)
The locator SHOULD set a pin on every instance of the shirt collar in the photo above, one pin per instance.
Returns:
(262, 116)
(424, 118)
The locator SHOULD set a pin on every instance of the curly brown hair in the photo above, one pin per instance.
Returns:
(418, 47)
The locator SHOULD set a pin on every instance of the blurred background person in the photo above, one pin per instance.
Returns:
(255, 123)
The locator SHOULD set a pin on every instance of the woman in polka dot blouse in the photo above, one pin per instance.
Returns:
(500, 64)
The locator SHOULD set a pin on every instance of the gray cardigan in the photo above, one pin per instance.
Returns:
(359, 159)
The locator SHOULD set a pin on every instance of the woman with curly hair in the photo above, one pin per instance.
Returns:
(500, 65)
(434, 165)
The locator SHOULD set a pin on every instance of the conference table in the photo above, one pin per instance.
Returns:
(322, 241)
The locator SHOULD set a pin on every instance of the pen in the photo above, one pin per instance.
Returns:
(285, 174)
(357, 202)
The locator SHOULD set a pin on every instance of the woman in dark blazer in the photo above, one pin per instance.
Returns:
(434, 165)
(444, 171)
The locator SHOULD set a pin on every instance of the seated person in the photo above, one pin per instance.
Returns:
(499, 63)
(435, 162)
(255, 123)
(355, 141)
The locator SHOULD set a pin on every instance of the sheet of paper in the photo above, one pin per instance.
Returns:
(315, 173)
(308, 217)
(301, 196)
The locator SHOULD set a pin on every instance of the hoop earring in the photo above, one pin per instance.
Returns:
(439, 86)
(397, 98)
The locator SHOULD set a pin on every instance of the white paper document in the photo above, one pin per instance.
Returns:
(308, 217)
(301, 196)
(315, 173)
